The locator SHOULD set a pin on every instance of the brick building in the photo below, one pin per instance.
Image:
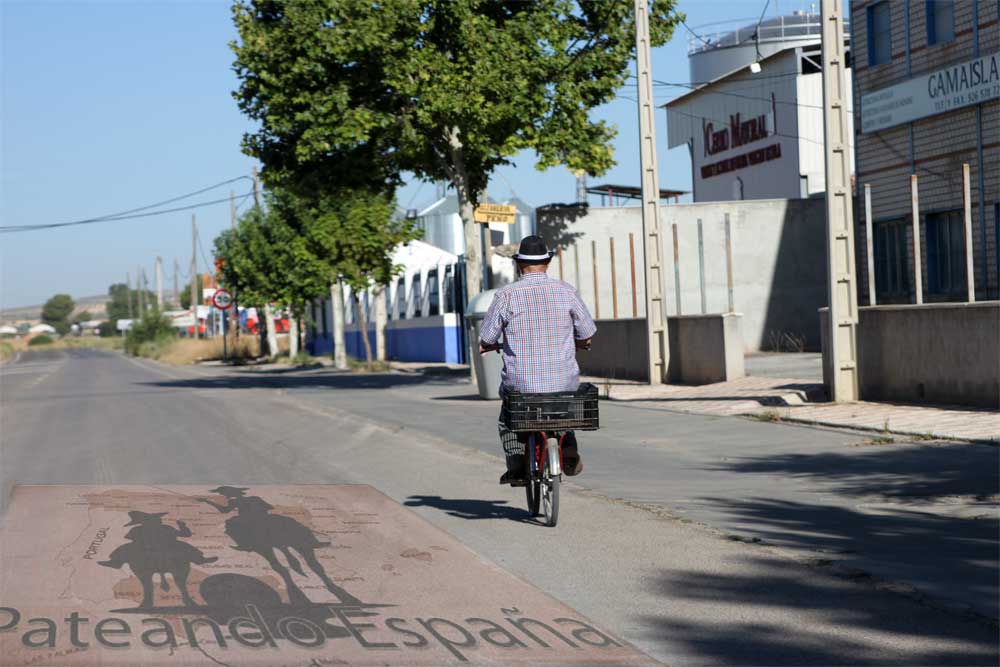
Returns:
(927, 87)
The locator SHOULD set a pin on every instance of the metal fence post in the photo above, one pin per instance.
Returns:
(677, 269)
(970, 275)
(870, 241)
(729, 265)
(701, 268)
(918, 279)
(614, 281)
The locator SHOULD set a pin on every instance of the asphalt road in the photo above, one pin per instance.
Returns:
(684, 593)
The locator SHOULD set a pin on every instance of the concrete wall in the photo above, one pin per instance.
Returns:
(620, 351)
(703, 349)
(933, 353)
(779, 262)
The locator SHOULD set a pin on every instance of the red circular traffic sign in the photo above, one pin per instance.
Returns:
(222, 299)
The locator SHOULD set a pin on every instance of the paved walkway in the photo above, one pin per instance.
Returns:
(792, 400)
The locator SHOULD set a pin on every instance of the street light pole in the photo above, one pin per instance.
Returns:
(656, 316)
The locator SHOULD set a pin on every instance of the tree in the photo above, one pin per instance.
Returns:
(82, 316)
(186, 292)
(355, 235)
(56, 312)
(352, 94)
(117, 306)
(266, 259)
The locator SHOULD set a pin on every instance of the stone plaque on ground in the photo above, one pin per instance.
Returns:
(283, 576)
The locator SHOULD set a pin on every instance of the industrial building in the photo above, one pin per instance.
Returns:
(927, 86)
(753, 119)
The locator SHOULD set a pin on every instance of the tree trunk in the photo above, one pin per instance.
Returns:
(337, 315)
(363, 326)
(272, 334)
(466, 211)
(381, 321)
(293, 335)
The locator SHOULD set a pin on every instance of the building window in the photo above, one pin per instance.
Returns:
(892, 283)
(879, 34)
(433, 297)
(401, 299)
(946, 254)
(940, 21)
(417, 295)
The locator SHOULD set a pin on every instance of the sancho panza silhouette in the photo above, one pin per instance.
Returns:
(255, 529)
(155, 547)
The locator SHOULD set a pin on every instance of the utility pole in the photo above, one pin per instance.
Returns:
(194, 274)
(256, 187)
(234, 312)
(656, 315)
(128, 293)
(842, 280)
(177, 291)
(141, 279)
(159, 284)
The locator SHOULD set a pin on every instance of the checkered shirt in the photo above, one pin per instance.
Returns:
(539, 318)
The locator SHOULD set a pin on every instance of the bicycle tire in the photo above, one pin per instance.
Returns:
(549, 491)
(532, 489)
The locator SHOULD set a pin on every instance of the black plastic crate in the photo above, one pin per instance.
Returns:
(561, 411)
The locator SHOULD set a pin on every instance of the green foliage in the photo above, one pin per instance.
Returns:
(6, 351)
(267, 258)
(356, 233)
(117, 306)
(106, 329)
(352, 94)
(153, 330)
(82, 316)
(186, 292)
(56, 312)
(40, 339)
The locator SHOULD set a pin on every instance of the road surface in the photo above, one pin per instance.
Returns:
(684, 593)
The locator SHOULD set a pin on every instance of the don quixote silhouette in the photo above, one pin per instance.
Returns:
(154, 547)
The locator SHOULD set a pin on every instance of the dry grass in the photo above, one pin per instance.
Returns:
(113, 343)
(190, 350)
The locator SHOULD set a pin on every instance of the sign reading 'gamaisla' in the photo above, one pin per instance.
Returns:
(284, 576)
(930, 94)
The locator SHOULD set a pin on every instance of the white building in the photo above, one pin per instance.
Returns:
(756, 135)
(442, 225)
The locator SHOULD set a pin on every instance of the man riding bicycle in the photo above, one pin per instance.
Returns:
(543, 323)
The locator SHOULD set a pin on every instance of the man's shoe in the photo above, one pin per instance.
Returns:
(572, 464)
(513, 479)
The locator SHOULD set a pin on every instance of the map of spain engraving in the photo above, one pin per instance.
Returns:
(283, 576)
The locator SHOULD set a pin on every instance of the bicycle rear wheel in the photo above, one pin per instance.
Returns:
(532, 489)
(550, 492)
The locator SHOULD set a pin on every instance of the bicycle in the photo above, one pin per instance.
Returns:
(545, 420)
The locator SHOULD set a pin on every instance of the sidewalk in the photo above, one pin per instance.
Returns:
(795, 400)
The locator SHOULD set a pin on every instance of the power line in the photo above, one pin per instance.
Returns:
(9, 229)
(201, 250)
(746, 97)
(776, 134)
(111, 216)
(696, 35)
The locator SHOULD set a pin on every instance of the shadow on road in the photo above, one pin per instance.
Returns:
(922, 514)
(898, 471)
(465, 508)
(282, 379)
(825, 602)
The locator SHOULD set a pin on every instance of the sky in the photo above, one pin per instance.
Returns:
(109, 106)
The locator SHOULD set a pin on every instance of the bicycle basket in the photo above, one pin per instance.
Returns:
(560, 411)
